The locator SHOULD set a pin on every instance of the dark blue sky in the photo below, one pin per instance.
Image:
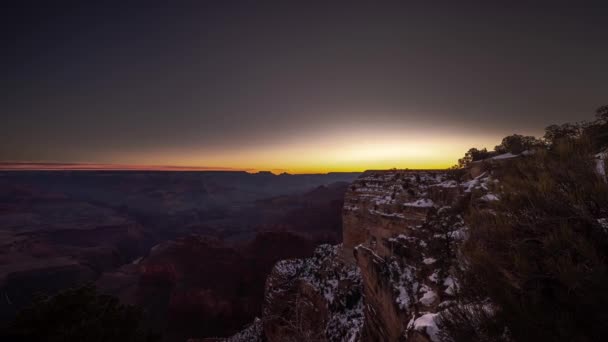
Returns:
(256, 83)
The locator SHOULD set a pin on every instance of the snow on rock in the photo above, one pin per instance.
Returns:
(448, 184)
(429, 296)
(346, 325)
(385, 214)
(312, 271)
(507, 155)
(604, 223)
(600, 164)
(405, 286)
(450, 283)
(416, 255)
(489, 197)
(427, 323)
(385, 193)
(479, 182)
(405, 228)
(421, 203)
(289, 268)
(459, 234)
(337, 283)
(429, 261)
(434, 277)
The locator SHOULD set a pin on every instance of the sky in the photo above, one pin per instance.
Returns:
(307, 86)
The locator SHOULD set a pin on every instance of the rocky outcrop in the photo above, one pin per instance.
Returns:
(408, 227)
(395, 271)
(381, 205)
(316, 299)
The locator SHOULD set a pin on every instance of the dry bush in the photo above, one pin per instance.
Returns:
(539, 255)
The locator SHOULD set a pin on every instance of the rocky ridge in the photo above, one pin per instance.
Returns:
(395, 271)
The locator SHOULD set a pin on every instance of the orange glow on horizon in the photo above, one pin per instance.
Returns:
(347, 149)
(320, 156)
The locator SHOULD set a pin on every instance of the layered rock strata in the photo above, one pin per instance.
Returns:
(395, 271)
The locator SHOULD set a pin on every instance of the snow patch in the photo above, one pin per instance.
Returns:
(385, 214)
(428, 297)
(428, 324)
(448, 184)
(428, 261)
(451, 285)
(421, 203)
(434, 277)
(507, 155)
(600, 162)
(489, 197)
(604, 223)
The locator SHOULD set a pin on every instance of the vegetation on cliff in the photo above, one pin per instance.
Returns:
(511, 246)
(535, 262)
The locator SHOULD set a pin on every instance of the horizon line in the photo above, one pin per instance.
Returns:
(58, 166)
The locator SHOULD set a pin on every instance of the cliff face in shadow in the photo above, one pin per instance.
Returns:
(393, 273)
(407, 226)
(450, 255)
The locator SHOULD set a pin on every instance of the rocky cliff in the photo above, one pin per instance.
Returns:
(395, 271)
(402, 228)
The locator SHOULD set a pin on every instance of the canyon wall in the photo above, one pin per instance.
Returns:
(395, 270)
(401, 228)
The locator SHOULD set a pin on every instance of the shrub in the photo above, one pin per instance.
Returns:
(539, 255)
(517, 143)
(474, 154)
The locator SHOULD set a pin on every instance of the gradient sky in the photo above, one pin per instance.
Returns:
(307, 87)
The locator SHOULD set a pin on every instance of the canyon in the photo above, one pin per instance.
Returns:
(395, 270)
(150, 239)
(379, 258)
